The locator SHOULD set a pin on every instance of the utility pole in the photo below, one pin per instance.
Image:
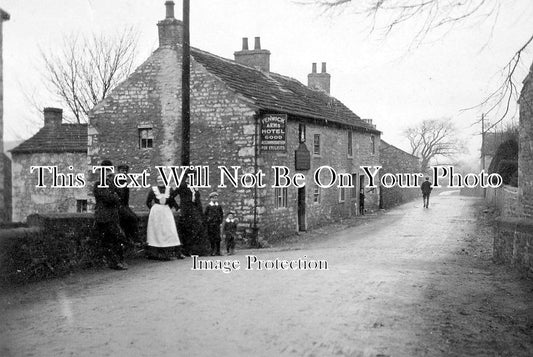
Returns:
(185, 90)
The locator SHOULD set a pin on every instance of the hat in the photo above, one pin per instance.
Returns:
(123, 167)
(106, 162)
(213, 194)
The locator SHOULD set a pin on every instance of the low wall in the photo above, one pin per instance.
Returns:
(53, 245)
(505, 198)
(513, 243)
(391, 197)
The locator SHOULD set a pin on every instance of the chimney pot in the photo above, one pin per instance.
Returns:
(256, 58)
(170, 30)
(170, 9)
(319, 81)
(53, 116)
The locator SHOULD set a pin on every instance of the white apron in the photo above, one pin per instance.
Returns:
(161, 231)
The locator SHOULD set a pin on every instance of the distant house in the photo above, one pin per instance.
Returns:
(139, 123)
(56, 144)
(394, 160)
(5, 163)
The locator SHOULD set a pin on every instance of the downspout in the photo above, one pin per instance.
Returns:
(255, 230)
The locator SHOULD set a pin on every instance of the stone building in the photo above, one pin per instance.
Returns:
(5, 163)
(59, 145)
(525, 150)
(395, 160)
(139, 123)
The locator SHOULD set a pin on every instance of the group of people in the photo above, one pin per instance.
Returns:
(198, 232)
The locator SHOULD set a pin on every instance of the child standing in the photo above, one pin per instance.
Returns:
(214, 216)
(230, 232)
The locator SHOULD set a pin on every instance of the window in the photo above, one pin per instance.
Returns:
(354, 183)
(146, 138)
(342, 194)
(280, 197)
(373, 144)
(316, 195)
(350, 144)
(316, 144)
(81, 206)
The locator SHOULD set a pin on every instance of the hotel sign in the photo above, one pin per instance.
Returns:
(273, 132)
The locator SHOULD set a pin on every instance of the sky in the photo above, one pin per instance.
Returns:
(384, 78)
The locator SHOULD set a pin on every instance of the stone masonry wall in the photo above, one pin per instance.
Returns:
(279, 222)
(513, 242)
(222, 134)
(28, 199)
(525, 153)
(394, 160)
(222, 127)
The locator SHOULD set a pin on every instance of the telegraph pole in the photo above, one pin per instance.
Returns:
(185, 90)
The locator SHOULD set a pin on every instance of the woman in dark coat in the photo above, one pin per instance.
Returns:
(191, 224)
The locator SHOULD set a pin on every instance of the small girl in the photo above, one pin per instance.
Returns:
(230, 232)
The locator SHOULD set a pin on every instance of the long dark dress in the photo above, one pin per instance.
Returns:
(191, 224)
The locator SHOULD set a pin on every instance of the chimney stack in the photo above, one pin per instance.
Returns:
(53, 116)
(256, 58)
(170, 29)
(319, 81)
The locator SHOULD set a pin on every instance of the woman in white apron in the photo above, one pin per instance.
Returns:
(162, 235)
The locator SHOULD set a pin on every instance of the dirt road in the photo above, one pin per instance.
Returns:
(410, 282)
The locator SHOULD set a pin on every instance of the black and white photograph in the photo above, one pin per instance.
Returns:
(266, 178)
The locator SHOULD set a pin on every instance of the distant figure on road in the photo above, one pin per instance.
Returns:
(128, 219)
(426, 191)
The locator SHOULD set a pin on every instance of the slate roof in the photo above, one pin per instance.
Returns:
(56, 139)
(385, 145)
(274, 92)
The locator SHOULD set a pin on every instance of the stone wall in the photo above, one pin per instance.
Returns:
(6, 203)
(222, 127)
(513, 243)
(394, 160)
(53, 245)
(280, 222)
(505, 198)
(525, 151)
(223, 131)
(28, 199)
(5, 164)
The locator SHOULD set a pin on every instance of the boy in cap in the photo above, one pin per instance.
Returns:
(230, 232)
(214, 217)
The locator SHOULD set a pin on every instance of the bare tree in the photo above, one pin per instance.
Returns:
(432, 139)
(427, 16)
(86, 69)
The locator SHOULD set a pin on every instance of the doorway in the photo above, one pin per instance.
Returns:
(301, 210)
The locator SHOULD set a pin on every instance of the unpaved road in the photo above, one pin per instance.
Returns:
(410, 282)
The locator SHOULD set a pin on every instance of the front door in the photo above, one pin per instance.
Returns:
(301, 209)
